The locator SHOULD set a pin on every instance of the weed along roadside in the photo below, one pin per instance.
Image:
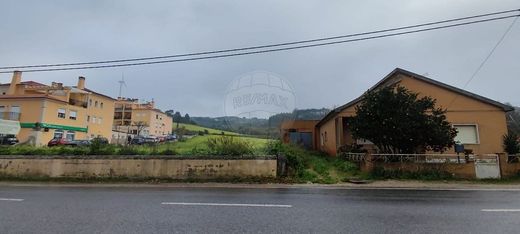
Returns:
(216, 159)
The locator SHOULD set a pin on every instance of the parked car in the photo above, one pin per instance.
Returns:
(144, 140)
(8, 140)
(172, 137)
(161, 138)
(151, 140)
(101, 140)
(78, 143)
(137, 141)
(57, 142)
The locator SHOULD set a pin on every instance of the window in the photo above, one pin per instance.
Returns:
(88, 118)
(90, 102)
(15, 113)
(93, 119)
(73, 114)
(58, 134)
(61, 113)
(321, 140)
(96, 103)
(15, 109)
(101, 105)
(156, 116)
(70, 135)
(100, 120)
(467, 134)
(325, 136)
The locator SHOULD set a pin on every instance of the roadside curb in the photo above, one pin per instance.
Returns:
(378, 185)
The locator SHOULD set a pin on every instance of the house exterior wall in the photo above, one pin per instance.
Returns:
(490, 120)
(327, 137)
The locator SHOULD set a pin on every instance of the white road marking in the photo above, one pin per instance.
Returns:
(500, 210)
(225, 204)
(10, 199)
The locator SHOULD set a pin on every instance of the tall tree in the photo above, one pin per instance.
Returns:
(396, 120)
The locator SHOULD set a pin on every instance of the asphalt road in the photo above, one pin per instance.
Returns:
(239, 210)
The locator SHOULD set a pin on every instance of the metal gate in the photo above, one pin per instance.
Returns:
(487, 167)
(301, 138)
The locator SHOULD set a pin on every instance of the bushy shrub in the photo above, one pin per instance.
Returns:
(227, 145)
(128, 150)
(353, 148)
(510, 142)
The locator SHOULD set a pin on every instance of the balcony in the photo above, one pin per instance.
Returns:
(10, 116)
(75, 102)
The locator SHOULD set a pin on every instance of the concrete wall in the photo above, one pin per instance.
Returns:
(137, 167)
(508, 169)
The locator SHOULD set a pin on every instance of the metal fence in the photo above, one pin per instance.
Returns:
(420, 158)
(353, 157)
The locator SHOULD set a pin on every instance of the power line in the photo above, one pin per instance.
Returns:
(268, 50)
(485, 59)
(263, 46)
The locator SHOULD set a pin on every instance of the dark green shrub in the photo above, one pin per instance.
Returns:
(345, 166)
(510, 142)
(168, 151)
(128, 150)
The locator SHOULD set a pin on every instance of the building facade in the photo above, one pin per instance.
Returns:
(55, 111)
(139, 119)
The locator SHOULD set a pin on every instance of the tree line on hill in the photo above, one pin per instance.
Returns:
(258, 126)
(178, 117)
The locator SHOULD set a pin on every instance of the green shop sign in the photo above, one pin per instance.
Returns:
(53, 126)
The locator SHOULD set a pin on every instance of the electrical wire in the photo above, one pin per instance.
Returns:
(258, 51)
(481, 65)
(263, 46)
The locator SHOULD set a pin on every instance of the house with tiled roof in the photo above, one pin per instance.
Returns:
(480, 121)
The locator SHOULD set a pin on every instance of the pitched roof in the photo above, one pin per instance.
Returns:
(29, 83)
(337, 110)
(100, 94)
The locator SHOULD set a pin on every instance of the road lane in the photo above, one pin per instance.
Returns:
(139, 210)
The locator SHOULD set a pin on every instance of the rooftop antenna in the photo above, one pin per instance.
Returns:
(121, 84)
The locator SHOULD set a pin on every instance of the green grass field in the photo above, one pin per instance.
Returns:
(196, 128)
(199, 142)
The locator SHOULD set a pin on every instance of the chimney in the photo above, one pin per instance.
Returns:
(81, 82)
(17, 79)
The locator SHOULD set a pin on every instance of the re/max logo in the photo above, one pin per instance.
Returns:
(260, 99)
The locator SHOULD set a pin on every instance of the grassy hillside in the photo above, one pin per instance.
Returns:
(196, 128)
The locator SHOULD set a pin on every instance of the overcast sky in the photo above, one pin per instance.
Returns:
(36, 32)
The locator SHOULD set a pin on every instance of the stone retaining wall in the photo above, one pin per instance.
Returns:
(178, 167)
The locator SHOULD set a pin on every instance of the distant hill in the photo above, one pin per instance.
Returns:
(257, 126)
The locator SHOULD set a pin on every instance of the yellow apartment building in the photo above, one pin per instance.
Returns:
(55, 111)
(131, 116)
